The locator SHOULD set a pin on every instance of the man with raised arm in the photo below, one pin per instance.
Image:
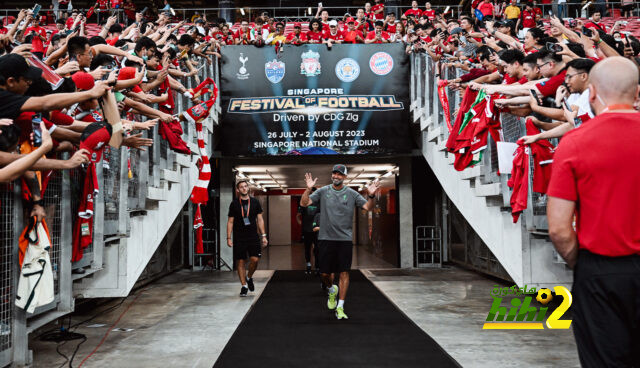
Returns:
(338, 203)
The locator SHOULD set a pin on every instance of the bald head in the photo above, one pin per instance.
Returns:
(615, 80)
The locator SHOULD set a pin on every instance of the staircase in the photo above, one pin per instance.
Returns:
(480, 193)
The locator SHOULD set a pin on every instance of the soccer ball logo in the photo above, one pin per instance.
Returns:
(544, 296)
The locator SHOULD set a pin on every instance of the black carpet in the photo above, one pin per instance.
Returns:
(290, 326)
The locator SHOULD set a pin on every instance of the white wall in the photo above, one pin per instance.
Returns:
(279, 213)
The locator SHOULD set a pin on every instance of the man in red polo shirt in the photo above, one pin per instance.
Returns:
(415, 11)
(352, 35)
(595, 177)
(38, 37)
(378, 10)
(377, 35)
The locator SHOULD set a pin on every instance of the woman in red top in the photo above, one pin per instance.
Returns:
(315, 31)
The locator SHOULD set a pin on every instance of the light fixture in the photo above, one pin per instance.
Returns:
(242, 11)
(264, 189)
(388, 174)
(309, 10)
(241, 175)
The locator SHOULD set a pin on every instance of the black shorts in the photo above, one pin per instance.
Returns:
(244, 249)
(627, 7)
(606, 310)
(335, 256)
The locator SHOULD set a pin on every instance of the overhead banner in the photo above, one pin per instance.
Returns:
(315, 100)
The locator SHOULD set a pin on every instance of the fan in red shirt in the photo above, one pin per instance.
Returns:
(297, 37)
(414, 11)
(314, 35)
(486, 8)
(363, 24)
(378, 35)
(352, 35)
(536, 9)
(528, 17)
(390, 23)
(595, 177)
(103, 4)
(38, 36)
(378, 10)
(595, 23)
(428, 12)
(130, 10)
(552, 67)
(333, 35)
(71, 20)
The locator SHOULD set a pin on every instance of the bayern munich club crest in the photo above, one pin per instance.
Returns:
(310, 65)
(381, 63)
(347, 70)
(274, 70)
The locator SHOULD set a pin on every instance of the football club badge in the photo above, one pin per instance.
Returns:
(274, 70)
(310, 65)
(347, 70)
(381, 63)
(242, 72)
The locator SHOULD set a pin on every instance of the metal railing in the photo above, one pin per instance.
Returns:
(427, 111)
(111, 221)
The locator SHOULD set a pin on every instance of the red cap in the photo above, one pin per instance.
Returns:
(127, 73)
(351, 20)
(297, 25)
(84, 81)
(94, 138)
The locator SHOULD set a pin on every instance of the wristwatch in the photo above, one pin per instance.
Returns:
(372, 196)
(39, 202)
(263, 235)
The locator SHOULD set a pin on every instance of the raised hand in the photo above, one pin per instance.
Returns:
(373, 187)
(309, 180)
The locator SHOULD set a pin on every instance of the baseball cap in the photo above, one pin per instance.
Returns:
(351, 20)
(297, 25)
(340, 169)
(84, 81)
(456, 30)
(94, 139)
(333, 23)
(14, 65)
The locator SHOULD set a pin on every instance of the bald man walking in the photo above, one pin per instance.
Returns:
(596, 175)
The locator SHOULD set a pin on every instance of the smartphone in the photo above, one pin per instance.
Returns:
(587, 31)
(36, 10)
(319, 5)
(552, 47)
(566, 104)
(144, 10)
(535, 95)
(37, 132)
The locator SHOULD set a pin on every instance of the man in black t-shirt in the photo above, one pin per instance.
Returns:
(247, 226)
(305, 218)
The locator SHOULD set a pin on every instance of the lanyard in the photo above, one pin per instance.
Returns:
(615, 107)
(248, 207)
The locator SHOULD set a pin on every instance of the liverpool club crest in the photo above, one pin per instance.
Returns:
(310, 65)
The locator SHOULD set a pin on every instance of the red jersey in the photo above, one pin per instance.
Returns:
(36, 43)
(350, 36)
(528, 19)
(391, 28)
(363, 26)
(430, 14)
(69, 22)
(314, 37)
(549, 87)
(116, 4)
(238, 36)
(130, 10)
(537, 11)
(301, 37)
(596, 25)
(486, 9)
(415, 12)
(103, 4)
(339, 36)
(372, 36)
(376, 7)
(594, 167)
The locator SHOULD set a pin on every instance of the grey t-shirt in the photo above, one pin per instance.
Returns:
(336, 215)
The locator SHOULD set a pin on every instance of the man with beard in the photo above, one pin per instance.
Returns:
(338, 203)
(247, 226)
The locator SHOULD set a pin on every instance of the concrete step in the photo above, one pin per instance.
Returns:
(487, 190)
(451, 158)
(417, 114)
(170, 176)
(442, 145)
(158, 194)
(433, 134)
(193, 147)
(470, 173)
(183, 160)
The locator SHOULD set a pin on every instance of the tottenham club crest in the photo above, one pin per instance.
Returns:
(347, 70)
(242, 72)
(381, 63)
(310, 65)
(274, 70)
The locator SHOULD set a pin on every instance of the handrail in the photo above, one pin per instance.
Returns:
(119, 196)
